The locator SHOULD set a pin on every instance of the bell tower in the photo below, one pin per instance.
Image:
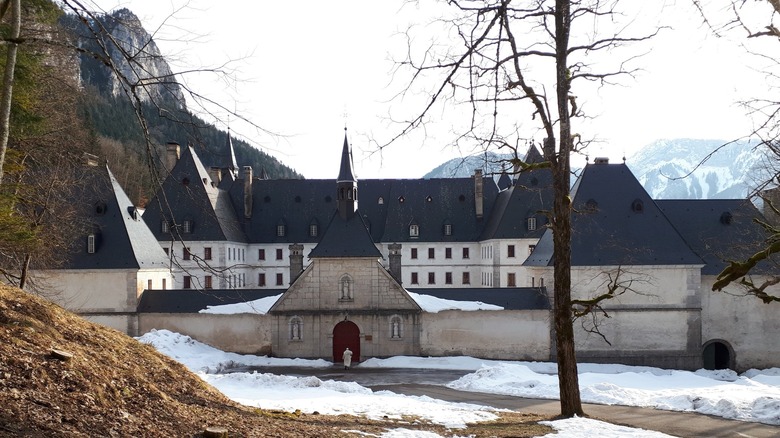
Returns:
(346, 184)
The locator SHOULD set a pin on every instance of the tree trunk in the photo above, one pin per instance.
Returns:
(568, 380)
(8, 81)
(25, 271)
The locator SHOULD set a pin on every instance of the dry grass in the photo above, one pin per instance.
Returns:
(116, 386)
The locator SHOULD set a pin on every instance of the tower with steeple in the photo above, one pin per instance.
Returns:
(346, 183)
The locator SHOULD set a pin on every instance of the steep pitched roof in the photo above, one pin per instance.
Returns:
(504, 181)
(226, 156)
(530, 197)
(615, 222)
(345, 170)
(189, 194)
(718, 230)
(122, 239)
(346, 238)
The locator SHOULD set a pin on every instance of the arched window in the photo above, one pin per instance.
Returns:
(345, 288)
(296, 328)
(396, 328)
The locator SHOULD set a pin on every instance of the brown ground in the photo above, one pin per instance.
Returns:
(116, 386)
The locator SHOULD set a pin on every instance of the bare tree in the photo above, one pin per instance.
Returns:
(515, 63)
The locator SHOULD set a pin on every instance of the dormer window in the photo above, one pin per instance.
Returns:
(637, 206)
(448, 229)
(186, 227)
(726, 218)
(401, 199)
(100, 208)
(313, 230)
(281, 230)
(531, 223)
(414, 230)
(91, 244)
(164, 226)
(133, 212)
(380, 201)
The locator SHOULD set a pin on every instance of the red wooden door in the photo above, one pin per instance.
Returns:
(346, 334)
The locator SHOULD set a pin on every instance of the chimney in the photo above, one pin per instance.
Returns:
(601, 160)
(395, 261)
(478, 193)
(172, 150)
(296, 259)
(248, 195)
(215, 173)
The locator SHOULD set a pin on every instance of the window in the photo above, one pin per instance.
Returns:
(380, 201)
(278, 253)
(207, 253)
(414, 278)
(187, 282)
(260, 254)
(465, 253)
(510, 280)
(280, 229)
(431, 278)
(510, 251)
(261, 279)
(531, 223)
(448, 278)
(414, 230)
(531, 248)
(186, 227)
(186, 254)
(414, 253)
(431, 253)
(279, 279)
(163, 284)
(91, 244)
(448, 229)
(466, 279)
(149, 284)
(164, 226)
(313, 230)
(207, 282)
(447, 253)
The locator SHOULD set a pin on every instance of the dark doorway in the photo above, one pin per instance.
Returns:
(346, 334)
(716, 356)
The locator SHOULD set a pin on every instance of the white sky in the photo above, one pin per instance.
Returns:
(752, 396)
(303, 65)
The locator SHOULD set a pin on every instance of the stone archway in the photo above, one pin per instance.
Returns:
(346, 334)
(717, 355)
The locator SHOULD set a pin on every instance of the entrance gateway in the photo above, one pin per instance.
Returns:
(346, 334)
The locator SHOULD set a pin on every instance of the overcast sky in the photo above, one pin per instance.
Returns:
(307, 68)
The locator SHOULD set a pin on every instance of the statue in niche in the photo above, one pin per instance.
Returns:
(295, 330)
(346, 288)
(395, 331)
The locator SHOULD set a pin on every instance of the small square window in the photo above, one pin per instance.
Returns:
(431, 253)
(448, 278)
(186, 227)
(261, 279)
(261, 254)
(280, 230)
(278, 253)
(207, 282)
(510, 251)
(465, 253)
(466, 279)
(206, 253)
(187, 282)
(414, 278)
(279, 279)
(510, 280)
(447, 253)
(531, 223)
(431, 278)
(414, 253)
(414, 231)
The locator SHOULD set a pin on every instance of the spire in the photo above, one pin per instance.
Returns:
(345, 172)
(230, 153)
(346, 184)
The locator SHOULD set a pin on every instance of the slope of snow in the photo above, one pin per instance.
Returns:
(259, 306)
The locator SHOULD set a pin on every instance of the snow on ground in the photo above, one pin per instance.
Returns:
(752, 396)
(428, 303)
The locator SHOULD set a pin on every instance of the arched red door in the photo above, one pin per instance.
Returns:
(346, 334)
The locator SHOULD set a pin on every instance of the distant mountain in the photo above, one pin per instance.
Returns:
(662, 167)
(668, 169)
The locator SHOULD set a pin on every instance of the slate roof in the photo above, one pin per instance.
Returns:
(345, 170)
(193, 300)
(530, 196)
(719, 230)
(514, 298)
(615, 222)
(188, 193)
(122, 239)
(346, 238)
